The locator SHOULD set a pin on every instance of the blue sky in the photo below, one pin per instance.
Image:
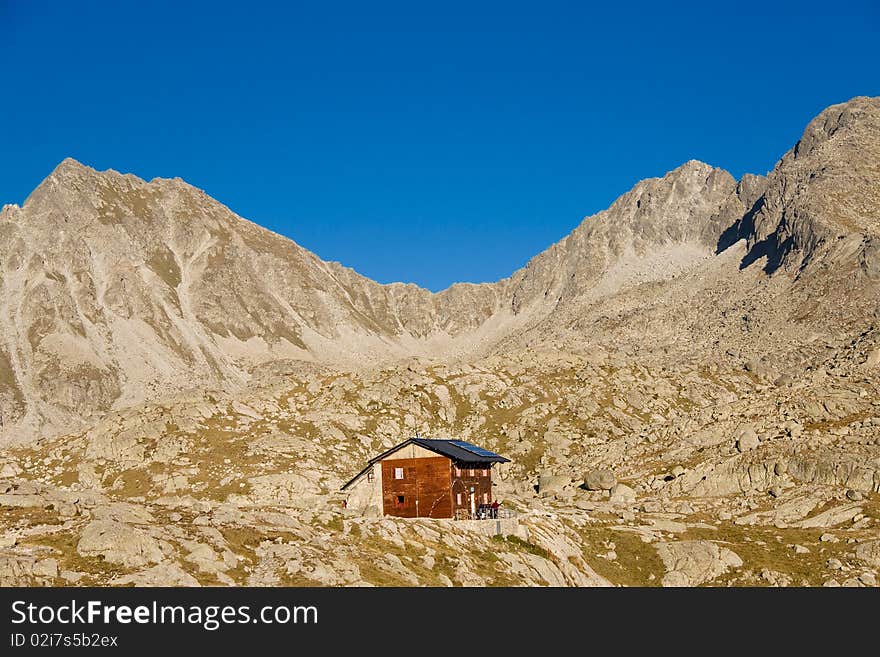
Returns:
(414, 141)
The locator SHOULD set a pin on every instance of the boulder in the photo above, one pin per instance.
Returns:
(869, 552)
(46, 568)
(119, 543)
(162, 575)
(599, 480)
(747, 439)
(204, 557)
(783, 380)
(622, 493)
(870, 262)
(829, 518)
(691, 563)
(676, 578)
(548, 484)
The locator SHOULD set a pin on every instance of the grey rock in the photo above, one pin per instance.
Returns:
(46, 568)
(160, 575)
(118, 543)
(830, 518)
(869, 552)
(549, 484)
(599, 480)
(621, 493)
(747, 439)
(690, 563)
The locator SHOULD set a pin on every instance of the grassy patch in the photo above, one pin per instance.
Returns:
(97, 571)
(524, 546)
(335, 524)
(769, 548)
(25, 516)
(636, 560)
(133, 483)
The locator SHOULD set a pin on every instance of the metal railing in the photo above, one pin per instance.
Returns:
(484, 514)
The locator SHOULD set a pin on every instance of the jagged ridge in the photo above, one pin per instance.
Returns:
(118, 290)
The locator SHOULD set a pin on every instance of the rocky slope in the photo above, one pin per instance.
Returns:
(621, 473)
(688, 387)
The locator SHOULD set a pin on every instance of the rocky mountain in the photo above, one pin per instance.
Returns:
(182, 392)
(116, 290)
(822, 200)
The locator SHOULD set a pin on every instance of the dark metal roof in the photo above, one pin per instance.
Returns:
(457, 450)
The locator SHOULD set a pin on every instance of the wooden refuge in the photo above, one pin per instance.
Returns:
(425, 478)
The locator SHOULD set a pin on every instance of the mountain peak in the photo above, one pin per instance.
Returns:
(860, 115)
(69, 164)
(692, 165)
(66, 172)
(71, 168)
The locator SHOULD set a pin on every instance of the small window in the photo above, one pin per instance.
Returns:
(458, 499)
(370, 475)
(485, 498)
(486, 472)
(457, 471)
(398, 473)
(400, 500)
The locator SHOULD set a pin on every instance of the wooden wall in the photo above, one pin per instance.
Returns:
(465, 478)
(422, 492)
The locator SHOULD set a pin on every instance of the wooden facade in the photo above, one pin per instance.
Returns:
(423, 478)
(471, 487)
(416, 488)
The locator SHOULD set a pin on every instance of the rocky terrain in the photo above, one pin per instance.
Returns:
(688, 388)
